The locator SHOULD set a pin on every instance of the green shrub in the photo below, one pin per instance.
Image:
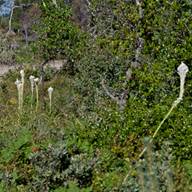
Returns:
(59, 37)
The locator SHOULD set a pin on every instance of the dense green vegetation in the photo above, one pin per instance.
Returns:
(117, 84)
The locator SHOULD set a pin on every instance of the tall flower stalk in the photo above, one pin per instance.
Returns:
(19, 90)
(182, 72)
(50, 92)
(31, 78)
(36, 80)
(22, 73)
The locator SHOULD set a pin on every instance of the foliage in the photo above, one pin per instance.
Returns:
(7, 55)
(58, 36)
(88, 143)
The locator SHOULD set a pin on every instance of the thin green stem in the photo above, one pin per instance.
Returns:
(19, 100)
(37, 96)
(174, 105)
(158, 128)
(50, 103)
(32, 98)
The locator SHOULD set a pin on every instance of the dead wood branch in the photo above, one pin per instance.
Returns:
(121, 101)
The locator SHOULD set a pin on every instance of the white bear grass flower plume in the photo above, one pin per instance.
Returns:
(50, 92)
(20, 89)
(22, 73)
(18, 83)
(31, 78)
(182, 71)
(36, 81)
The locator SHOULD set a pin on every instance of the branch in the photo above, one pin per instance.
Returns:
(120, 101)
(12, 9)
(138, 3)
(108, 93)
(11, 15)
(140, 41)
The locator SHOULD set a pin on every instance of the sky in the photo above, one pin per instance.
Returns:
(5, 7)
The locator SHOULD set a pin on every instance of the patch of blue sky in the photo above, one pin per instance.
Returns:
(5, 7)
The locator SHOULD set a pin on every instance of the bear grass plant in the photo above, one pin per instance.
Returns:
(34, 81)
(42, 128)
(182, 71)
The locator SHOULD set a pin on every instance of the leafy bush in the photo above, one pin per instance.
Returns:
(58, 36)
(55, 167)
(7, 55)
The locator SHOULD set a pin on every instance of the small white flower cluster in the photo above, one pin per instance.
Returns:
(31, 78)
(182, 71)
(50, 91)
(18, 84)
(34, 85)
(20, 88)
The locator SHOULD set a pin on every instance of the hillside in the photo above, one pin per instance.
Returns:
(98, 96)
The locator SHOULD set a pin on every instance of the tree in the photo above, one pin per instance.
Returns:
(59, 37)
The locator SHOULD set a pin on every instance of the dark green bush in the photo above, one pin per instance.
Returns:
(59, 37)
(55, 167)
